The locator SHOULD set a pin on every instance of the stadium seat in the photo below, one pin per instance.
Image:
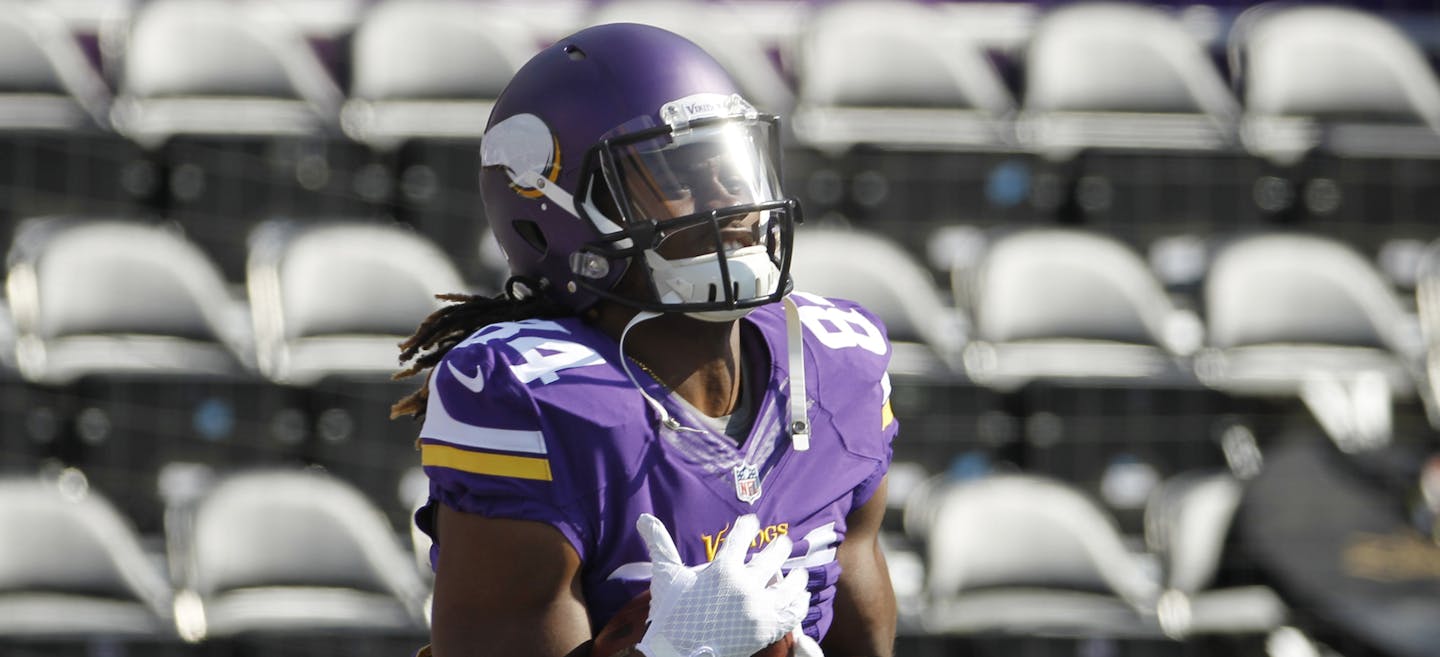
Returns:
(1135, 122)
(137, 354)
(1056, 303)
(1025, 555)
(1345, 107)
(211, 67)
(429, 69)
(1187, 521)
(57, 153)
(895, 75)
(20, 449)
(293, 553)
(1427, 304)
(45, 81)
(241, 118)
(902, 122)
(424, 77)
(723, 31)
(414, 493)
(118, 296)
(334, 298)
(1300, 316)
(72, 568)
(332, 302)
(1341, 79)
(1094, 358)
(1121, 75)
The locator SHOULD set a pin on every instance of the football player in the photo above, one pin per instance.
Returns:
(649, 391)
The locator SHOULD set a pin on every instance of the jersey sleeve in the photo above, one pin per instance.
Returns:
(889, 428)
(484, 445)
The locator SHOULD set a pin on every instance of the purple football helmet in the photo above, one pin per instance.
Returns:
(626, 146)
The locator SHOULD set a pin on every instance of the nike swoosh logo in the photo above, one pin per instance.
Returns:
(473, 383)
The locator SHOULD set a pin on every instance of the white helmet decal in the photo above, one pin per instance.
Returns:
(529, 152)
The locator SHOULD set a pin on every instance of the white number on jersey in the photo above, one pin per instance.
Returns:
(563, 356)
(543, 356)
(840, 329)
(508, 329)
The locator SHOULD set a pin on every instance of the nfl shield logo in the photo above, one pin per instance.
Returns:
(747, 482)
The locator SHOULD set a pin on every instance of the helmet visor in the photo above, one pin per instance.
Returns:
(710, 166)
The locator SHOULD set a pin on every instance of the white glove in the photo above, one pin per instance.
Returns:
(725, 608)
(806, 646)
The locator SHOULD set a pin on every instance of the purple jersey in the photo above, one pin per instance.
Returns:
(536, 420)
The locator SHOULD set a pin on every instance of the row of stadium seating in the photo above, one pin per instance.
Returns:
(117, 351)
(223, 114)
(294, 561)
(1030, 334)
(293, 556)
(129, 351)
(298, 555)
(408, 61)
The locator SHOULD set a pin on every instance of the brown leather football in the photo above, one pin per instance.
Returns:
(628, 625)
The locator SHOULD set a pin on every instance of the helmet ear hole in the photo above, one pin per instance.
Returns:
(531, 233)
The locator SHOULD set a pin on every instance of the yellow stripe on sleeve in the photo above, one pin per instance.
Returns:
(500, 465)
(886, 415)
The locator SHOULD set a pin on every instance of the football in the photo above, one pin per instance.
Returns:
(628, 625)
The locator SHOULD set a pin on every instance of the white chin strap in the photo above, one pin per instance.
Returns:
(799, 426)
(698, 280)
(795, 353)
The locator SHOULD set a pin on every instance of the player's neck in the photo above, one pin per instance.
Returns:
(698, 360)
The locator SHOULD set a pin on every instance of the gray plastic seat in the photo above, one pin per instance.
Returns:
(334, 298)
(213, 67)
(1427, 303)
(926, 333)
(1023, 554)
(57, 151)
(291, 553)
(429, 69)
(1281, 306)
(1068, 304)
(1341, 79)
(722, 31)
(120, 297)
(1121, 75)
(1187, 520)
(46, 83)
(897, 75)
(1298, 315)
(424, 77)
(241, 116)
(72, 567)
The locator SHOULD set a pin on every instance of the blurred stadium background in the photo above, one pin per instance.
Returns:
(1160, 278)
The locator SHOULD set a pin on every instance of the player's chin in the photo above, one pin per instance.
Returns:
(628, 626)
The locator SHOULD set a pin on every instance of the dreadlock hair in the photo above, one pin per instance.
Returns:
(451, 324)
